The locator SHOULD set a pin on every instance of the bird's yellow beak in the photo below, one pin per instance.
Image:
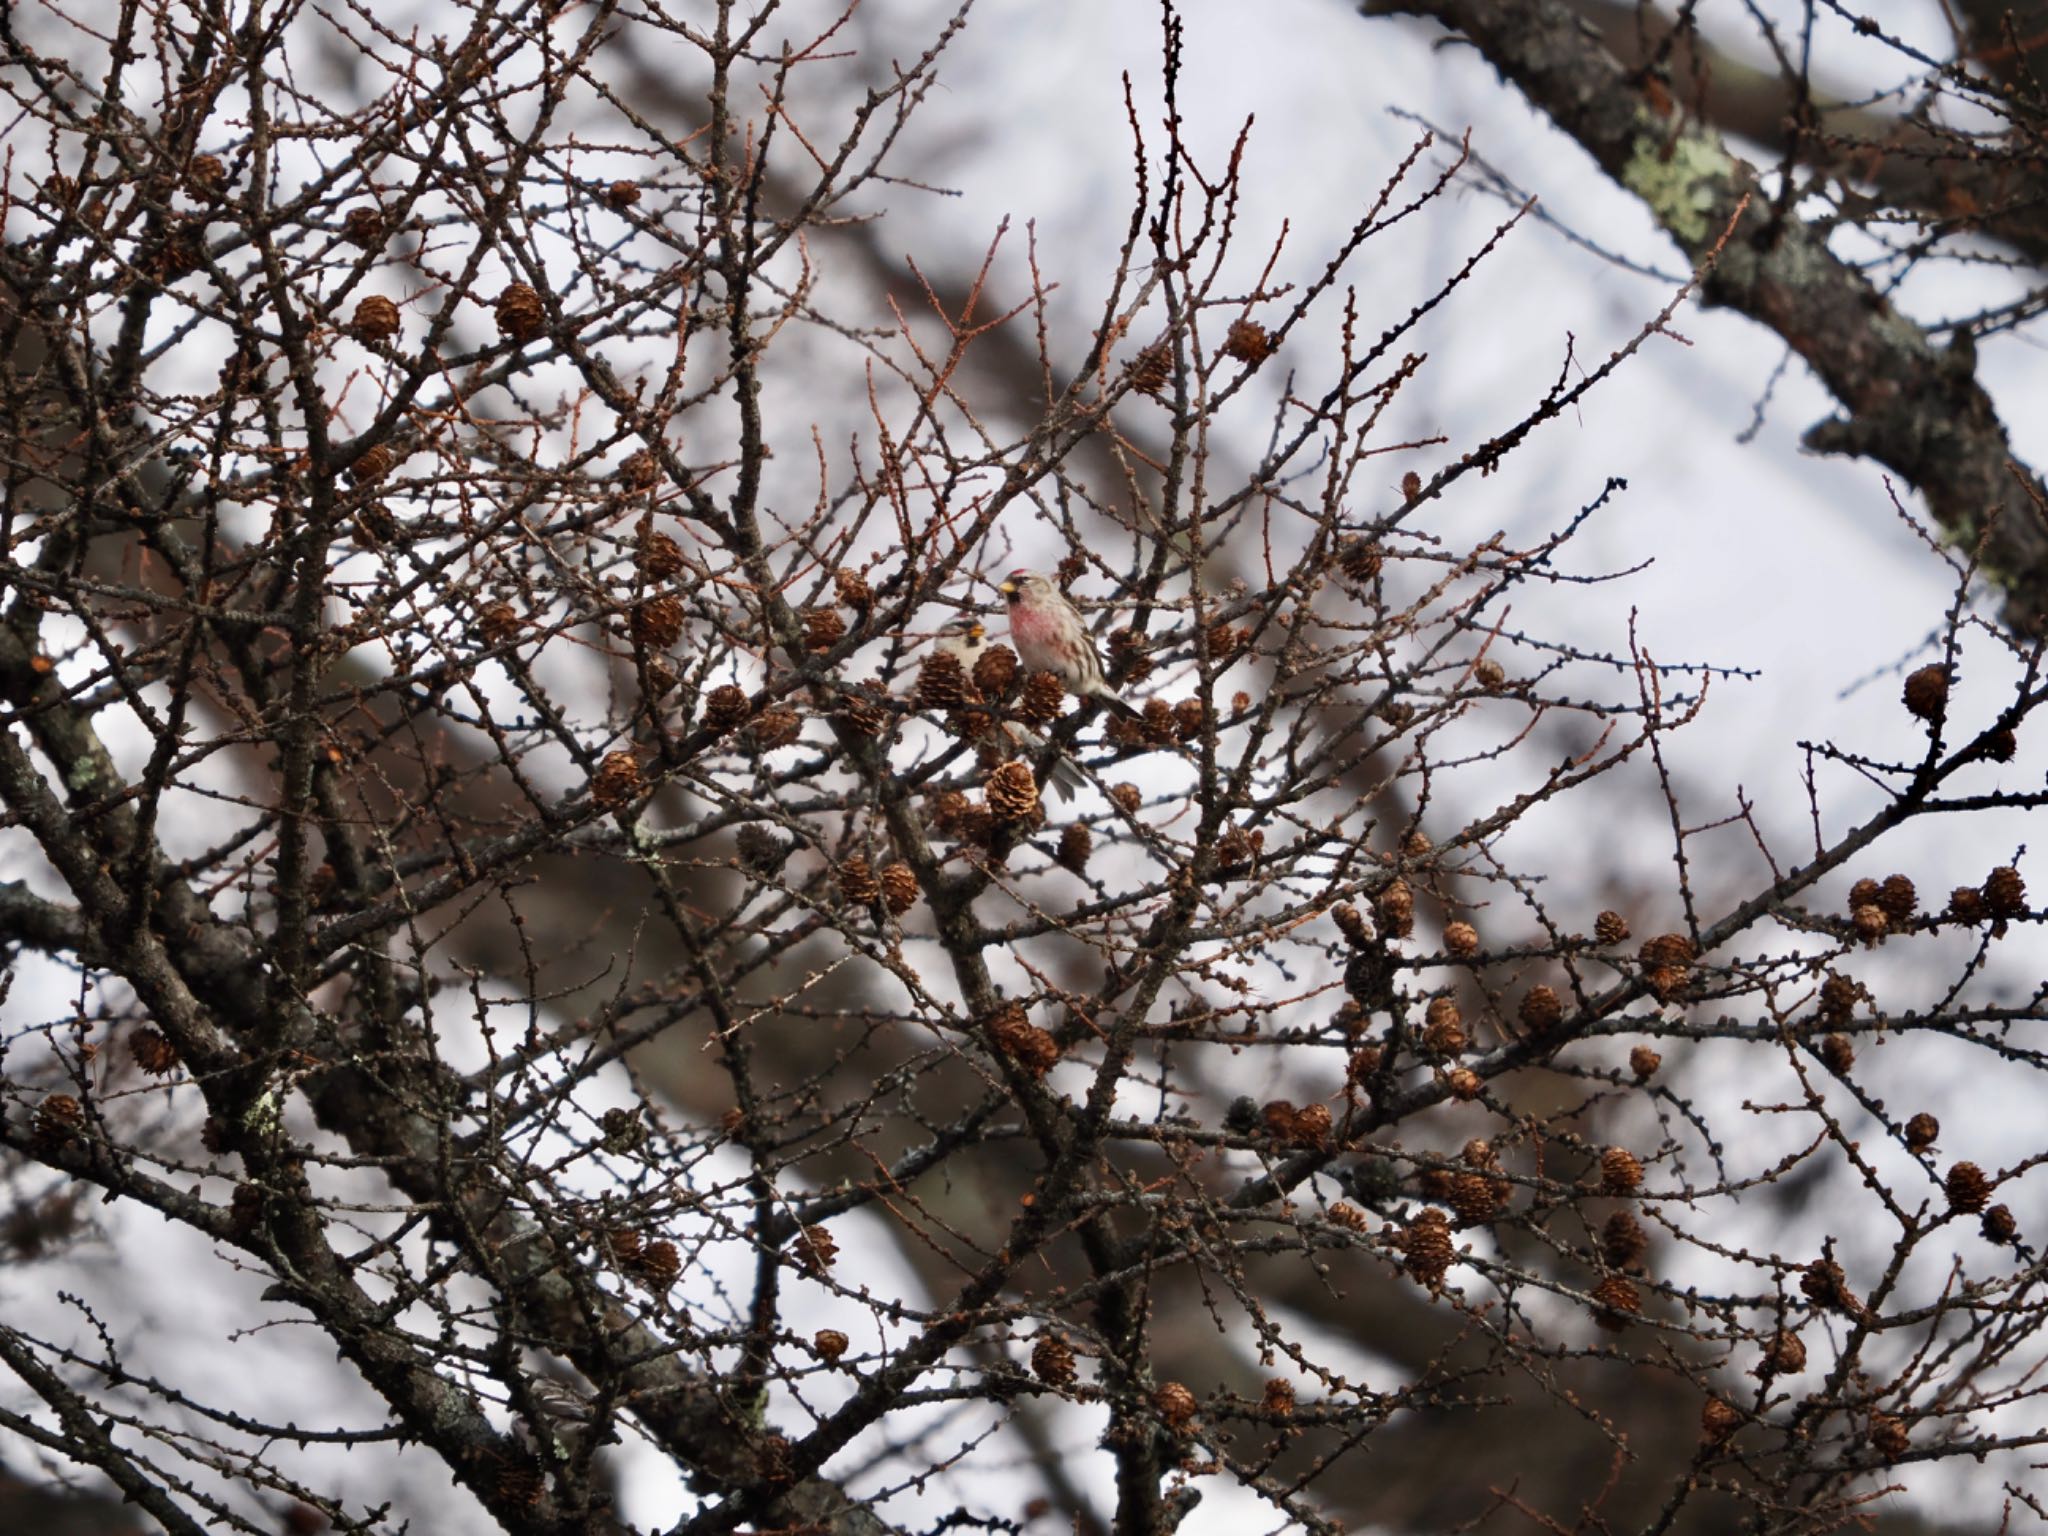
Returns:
(1008, 589)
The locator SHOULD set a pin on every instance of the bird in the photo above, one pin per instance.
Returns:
(565, 1416)
(965, 639)
(1048, 636)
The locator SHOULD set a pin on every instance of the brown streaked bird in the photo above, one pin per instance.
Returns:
(1048, 635)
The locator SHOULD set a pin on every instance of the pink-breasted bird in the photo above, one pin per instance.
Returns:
(1048, 636)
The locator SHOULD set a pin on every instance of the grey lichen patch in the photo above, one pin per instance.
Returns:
(82, 775)
(1683, 181)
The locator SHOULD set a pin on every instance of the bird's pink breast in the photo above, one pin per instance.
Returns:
(1030, 626)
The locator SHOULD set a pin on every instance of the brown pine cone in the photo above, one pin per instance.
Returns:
(521, 316)
(1969, 1188)
(1719, 1420)
(364, 226)
(1247, 341)
(1623, 1242)
(1152, 370)
(1012, 794)
(1838, 997)
(153, 1051)
(1785, 1355)
(853, 589)
(899, 887)
(815, 1249)
(658, 556)
(1621, 1173)
(1898, 899)
(978, 825)
(823, 629)
(1052, 1361)
(1426, 1244)
(1443, 1029)
(616, 781)
(374, 464)
(2000, 745)
(1667, 982)
(58, 1120)
(1926, 693)
(727, 707)
(638, 471)
(1541, 1011)
(1031, 1048)
(863, 712)
(376, 319)
(1666, 950)
(1395, 907)
(657, 623)
(857, 882)
(943, 810)
(1827, 1287)
(1360, 560)
(995, 674)
(1176, 1404)
(774, 728)
(2005, 893)
(1312, 1125)
(1043, 698)
(1156, 723)
(942, 683)
(1476, 1198)
(1351, 924)
(658, 1265)
(1123, 733)
(497, 623)
(1615, 1301)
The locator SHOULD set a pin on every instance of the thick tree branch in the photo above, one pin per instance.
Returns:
(1914, 408)
(1951, 182)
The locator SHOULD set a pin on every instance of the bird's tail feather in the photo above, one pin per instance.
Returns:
(1067, 780)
